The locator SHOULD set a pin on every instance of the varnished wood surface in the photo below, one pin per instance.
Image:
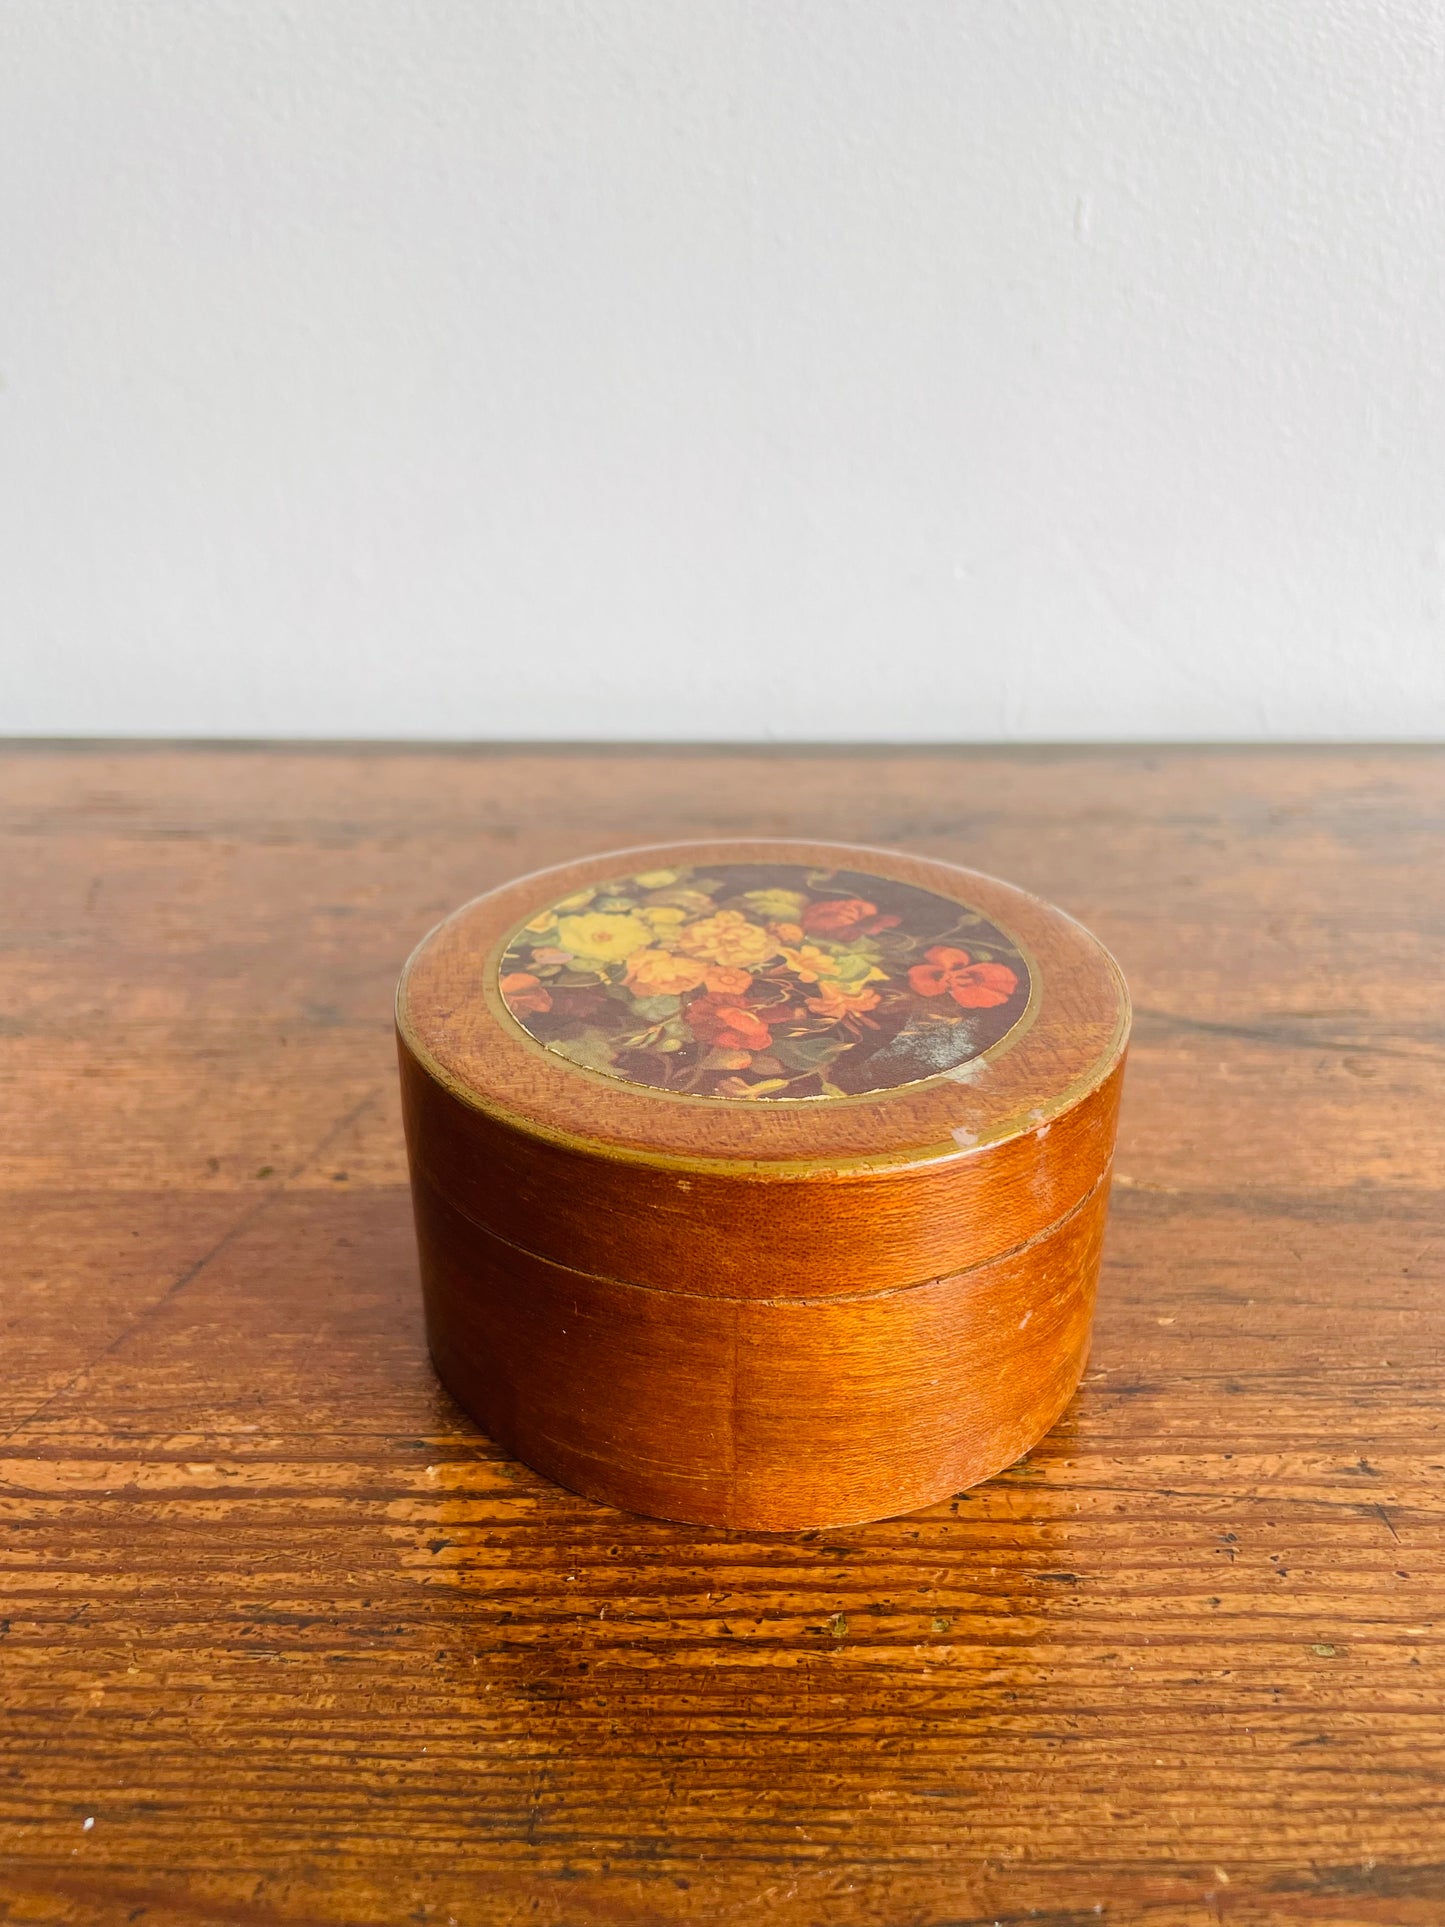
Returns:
(867, 1232)
(775, 1414)
(305, 1648)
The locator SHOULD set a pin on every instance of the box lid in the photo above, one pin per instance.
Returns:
(762, 1068)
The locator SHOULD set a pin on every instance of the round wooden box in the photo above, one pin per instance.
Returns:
(761, 1183)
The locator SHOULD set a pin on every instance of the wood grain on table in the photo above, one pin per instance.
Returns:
(284, 1639)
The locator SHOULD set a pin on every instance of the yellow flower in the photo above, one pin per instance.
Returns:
(577, 901)
(541, 925)
(728, 938)
(776, 906)
(655, 879)
(810, 963)
(663, 918)
(602, 936)
(657, 973)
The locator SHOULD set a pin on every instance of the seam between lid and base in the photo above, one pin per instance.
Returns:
(788, 1302)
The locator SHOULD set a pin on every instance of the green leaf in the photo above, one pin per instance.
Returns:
(778, 906)
(809, 1052)
(852, 966)
(592, 1049)
(656, 1008)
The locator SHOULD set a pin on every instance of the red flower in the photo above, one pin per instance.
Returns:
(727, 1026)
(835, 916)
(977, 986)
(524, 993)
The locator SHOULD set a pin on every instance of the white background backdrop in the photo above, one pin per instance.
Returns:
(735, 368)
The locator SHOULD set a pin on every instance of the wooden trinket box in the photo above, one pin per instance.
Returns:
(761, 1183)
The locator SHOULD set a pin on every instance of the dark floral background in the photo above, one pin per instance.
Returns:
(751, 980)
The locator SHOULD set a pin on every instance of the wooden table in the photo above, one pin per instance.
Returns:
(284, 1639)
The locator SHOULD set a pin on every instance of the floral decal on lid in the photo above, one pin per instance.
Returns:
(763, 980)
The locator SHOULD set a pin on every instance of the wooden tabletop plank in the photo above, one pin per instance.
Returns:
(303, 1647)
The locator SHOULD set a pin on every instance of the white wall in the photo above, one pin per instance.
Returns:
(723, 368)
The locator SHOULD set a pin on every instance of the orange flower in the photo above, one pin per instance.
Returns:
(727, 1026)
(835, 1002)
(723, 982)
(976, 986)
(657, 973)
(524, 993)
